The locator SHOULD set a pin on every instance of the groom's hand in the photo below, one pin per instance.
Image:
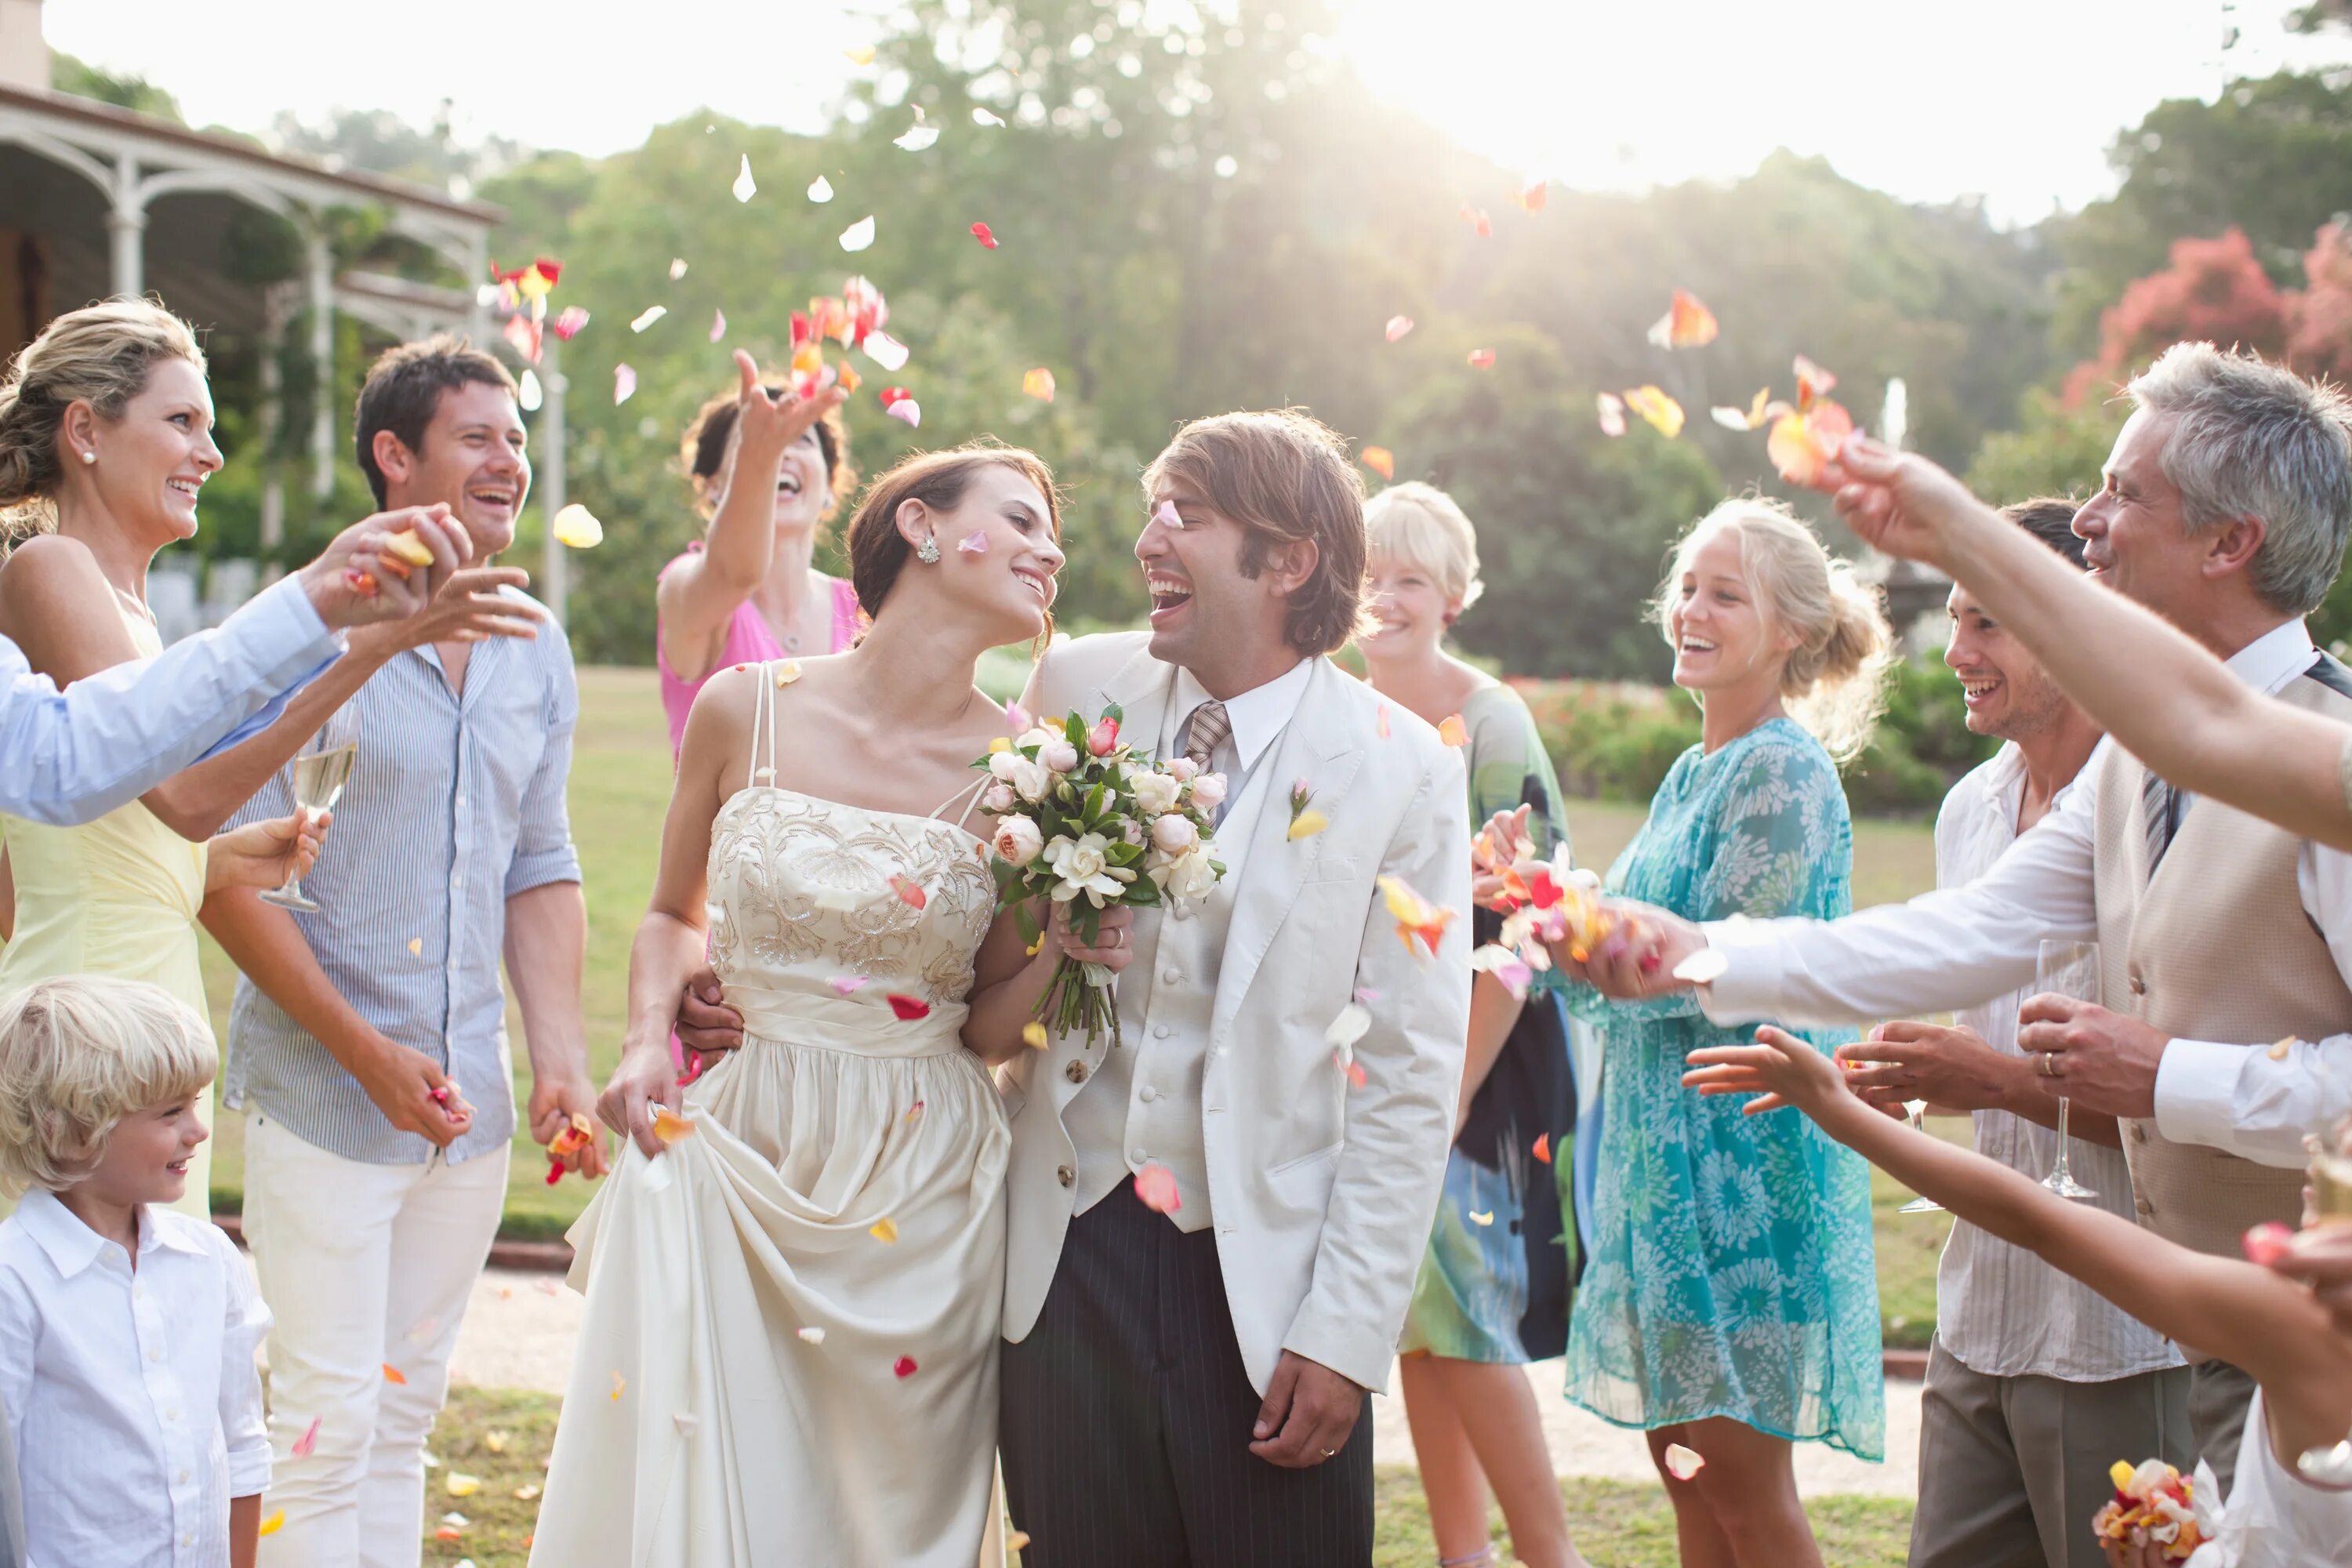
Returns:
(1306, 1415)
(705, 1023)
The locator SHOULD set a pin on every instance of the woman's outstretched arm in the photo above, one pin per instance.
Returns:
(2274, 1328)
(2164, 699)
(699, 595)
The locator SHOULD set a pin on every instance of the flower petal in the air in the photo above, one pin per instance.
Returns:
(745, 187)
(1612, 413)
(1802, 445)
(1686, 325)
(677, 268)
(916, 138)
(1482, 358)
(906, 411)
(820, 190)
(1479, 222)
(886, 351)
(576, 527)
(625, 384)
(647, 317)
(986, 236)
(1398, 327)
(566, 323)
(718, 325)
(1652, 405)
(859, 235)
(1381, 461)
(984, 116)
(1038, 384)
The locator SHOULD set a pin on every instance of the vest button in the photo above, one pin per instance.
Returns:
(2140, 1132)
(1159, 1031)
(2138, 983)
(1076, 1072)
(1150, 1094)
(1065, 1175)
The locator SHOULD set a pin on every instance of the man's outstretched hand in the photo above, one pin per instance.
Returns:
(361, 579)
(1306, 1415)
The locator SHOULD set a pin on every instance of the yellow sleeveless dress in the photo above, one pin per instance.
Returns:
(115, 897)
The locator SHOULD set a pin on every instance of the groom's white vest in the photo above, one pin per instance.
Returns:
(1322, 1194)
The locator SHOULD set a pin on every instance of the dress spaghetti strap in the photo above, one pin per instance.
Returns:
(971, 797)
(763, 715)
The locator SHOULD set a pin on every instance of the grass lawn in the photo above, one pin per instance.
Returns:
(1624, 1524)
(620, 789)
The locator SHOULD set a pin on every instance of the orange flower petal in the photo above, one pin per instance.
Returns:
(885, 1229)
(393, 1373)
(1381, 461)
(1530, 195)
(1477, 220)
(1453, 731)
(669, 1126)
(1542, 1150)
(911, 892)
(1039, 384)
(1686, 325)
(1802, 445)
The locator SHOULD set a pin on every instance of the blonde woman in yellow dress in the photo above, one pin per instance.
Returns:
(105, 440)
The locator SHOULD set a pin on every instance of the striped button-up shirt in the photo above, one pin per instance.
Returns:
(1999, 1309)
(457, 805)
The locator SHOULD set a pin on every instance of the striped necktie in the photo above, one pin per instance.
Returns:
(2160, 811)
(1206, 730)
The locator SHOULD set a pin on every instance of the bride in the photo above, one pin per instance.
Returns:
(794, 1278)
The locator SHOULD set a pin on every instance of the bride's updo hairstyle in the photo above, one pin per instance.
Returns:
(101, 354)
(1834, 682)
(878, 552)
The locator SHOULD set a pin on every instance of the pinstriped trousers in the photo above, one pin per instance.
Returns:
(1126, 1419)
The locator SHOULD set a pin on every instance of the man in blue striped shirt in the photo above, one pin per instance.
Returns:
(367, 1044)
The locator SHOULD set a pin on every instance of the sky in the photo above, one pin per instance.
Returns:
(2015, 101)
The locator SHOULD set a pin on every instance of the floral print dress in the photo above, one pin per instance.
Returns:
(1731, 1270)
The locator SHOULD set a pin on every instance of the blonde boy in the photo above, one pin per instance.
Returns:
(127, 1331)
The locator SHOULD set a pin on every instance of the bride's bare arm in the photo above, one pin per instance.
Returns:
(1009, 980)
(669, 941)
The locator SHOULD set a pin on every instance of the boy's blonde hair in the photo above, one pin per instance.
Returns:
(76, 1056)
(1420, 525)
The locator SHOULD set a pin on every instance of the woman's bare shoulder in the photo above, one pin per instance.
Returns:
(47, 576)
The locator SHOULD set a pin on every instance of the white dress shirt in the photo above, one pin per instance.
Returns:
(132, 1398)
(2002, 1311)
(1961, 947)
(108, 738)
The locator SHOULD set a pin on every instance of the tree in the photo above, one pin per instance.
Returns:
(2214, 291)
(2058, 449)
(78, 77)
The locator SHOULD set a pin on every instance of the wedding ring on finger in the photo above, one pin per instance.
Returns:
(2046, 1063)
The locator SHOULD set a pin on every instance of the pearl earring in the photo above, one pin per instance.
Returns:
(928, 551)
(89, 456)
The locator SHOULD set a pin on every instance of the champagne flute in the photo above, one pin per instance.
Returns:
(2067, 969)
(1915, 1114)
(316, 774)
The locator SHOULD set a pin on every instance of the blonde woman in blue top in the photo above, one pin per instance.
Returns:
(1730, 1302)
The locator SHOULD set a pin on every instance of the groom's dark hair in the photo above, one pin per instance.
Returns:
(1284, 476)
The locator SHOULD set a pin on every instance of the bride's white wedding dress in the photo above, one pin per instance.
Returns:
(789, 1352)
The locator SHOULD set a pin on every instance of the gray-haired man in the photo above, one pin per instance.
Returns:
(2224, 508)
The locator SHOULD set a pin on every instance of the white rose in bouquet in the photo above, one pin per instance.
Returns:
(1032, 781)
(999, 800)
(1208, 791)
(1059, 756)
(1182, 769)
(1154, 791)
(1083, 866)
(1036, 736)
(1004, 764)
(1131, 831)
(1191, 875)
(1175, 834)
(1018, 840)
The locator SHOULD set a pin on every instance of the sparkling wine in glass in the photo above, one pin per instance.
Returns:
(2067, 969)
(1916, 1112)
(317, 774)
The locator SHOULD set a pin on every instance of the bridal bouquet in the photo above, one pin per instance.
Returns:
(1080, 818)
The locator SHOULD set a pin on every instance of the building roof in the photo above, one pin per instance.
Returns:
(311, 180)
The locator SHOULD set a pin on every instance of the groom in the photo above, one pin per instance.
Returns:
(1189, 1387)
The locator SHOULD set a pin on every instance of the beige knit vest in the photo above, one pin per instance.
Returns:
(2216, 947)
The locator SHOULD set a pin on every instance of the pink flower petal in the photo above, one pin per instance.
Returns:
(625, 384)
(308, 1441)
(1682, 1463)
(718, 325)
(1156, 1185)
(906, 410)
(975, 543)
(1398, 326)
(843, 984)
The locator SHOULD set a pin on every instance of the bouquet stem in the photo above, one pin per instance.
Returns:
(1079, 998)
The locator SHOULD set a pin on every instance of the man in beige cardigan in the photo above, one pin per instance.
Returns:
(2224, 508)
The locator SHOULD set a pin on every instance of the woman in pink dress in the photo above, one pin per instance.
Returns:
(746, 593)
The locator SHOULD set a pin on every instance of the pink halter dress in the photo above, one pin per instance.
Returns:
(750, 640)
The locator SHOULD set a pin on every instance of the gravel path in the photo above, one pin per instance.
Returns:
(520, 1329)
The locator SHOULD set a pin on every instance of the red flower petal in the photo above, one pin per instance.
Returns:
(908, 1009)
(980, 231)
(904, 1367)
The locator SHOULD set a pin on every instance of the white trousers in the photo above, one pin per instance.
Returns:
(364, 1267)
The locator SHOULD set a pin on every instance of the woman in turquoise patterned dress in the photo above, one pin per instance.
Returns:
(1730, 1304)
(1495, 1283)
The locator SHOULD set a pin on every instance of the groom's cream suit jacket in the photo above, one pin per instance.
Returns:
(1321, 1194)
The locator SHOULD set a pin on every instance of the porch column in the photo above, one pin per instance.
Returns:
(126, 230)
(273, 414)
(320, 267)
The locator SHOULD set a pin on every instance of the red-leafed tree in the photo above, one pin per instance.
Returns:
(2214, 291)
(2319, 319)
